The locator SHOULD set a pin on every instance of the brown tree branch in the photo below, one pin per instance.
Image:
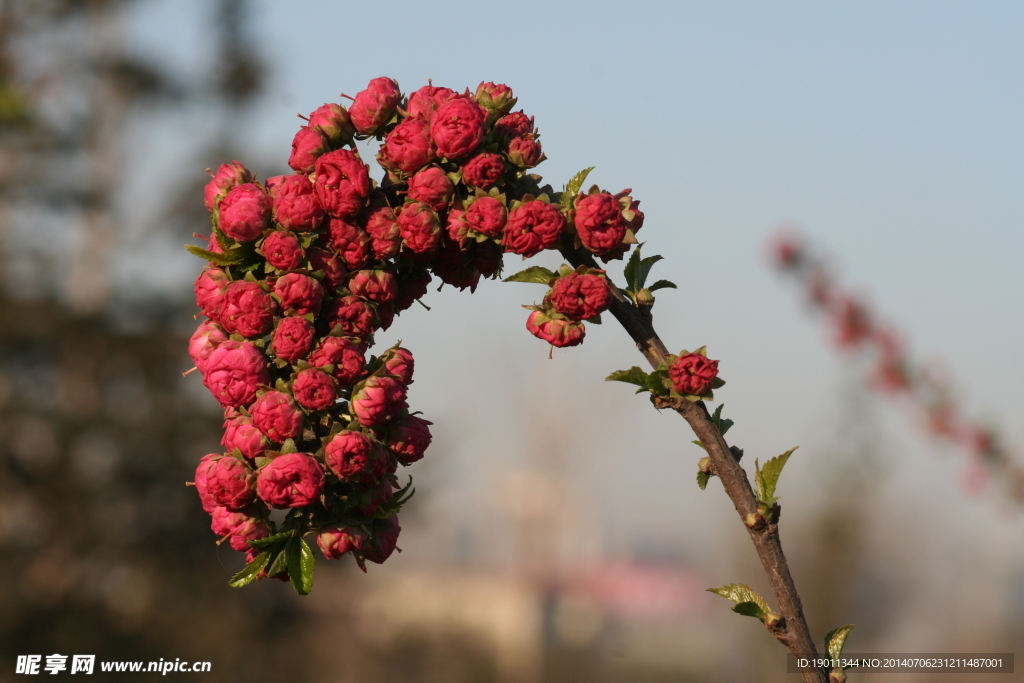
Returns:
(792, 630)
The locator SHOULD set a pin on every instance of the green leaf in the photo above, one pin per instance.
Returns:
(699, 443)
(572, 188)
(289, 447)
(634, 375)
(228, 259)
(279, 563)
(767, 477)
(656, 383)
(537, 274)
(631, 269)
(702, 479)
(748, 602)
(269, 540)
(251, 571)
(723, 424)
(662, 284)
(645, 269)
(717, 383)
(300, 566)
(836, 639)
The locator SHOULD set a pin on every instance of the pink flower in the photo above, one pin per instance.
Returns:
(335, 541)
(353, 314)
(513, 126)
(351, 242)
(525, 152)
(227, 480)
(378, 400)
(555, 331)
(433, 187)
(276, 416)
(371, 499)
(205, 463)
(407, 148)
(333, 121)
(247, 309)
(400, 364)
(290, 481)
(295, 204)
(382, 226)
(226, 177)
(599, 222)
(308, 145)
(420, 228)
(244, 212)
(282, 250)
(342, 183)
(425, 101)
(345, 357)
(375, 285)
(292, 338)
(239, 526)
(384, 540)
(234, 370)
(496, 98)
(209, 289)
(533, 227)
(207, 337)
(483, 170)
(299, 294)
(352, 456)
(374, 107)
(580, 297)
(487, 215)
(240, 433)
(457, 128)
(693, 374)
(409, 439)
(328, 262)
(314, 389)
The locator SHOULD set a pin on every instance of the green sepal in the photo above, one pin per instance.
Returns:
(225, 259)
(262, 461)
(748, 602)
(717, 383)
(300, 565)
(289, 447)
(634, 375)
(537, 274)
(766, 478)
(251, 571)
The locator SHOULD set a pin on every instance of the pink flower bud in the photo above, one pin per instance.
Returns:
(374, 107)
(234, 370)
(290, 481)
(555, 331)
(352, 456)
(353, 314)
(580, 297)
(383, 541)
(333, 120)
(209, 289)
(400, 364)
(276, 416)
(457, 128)
(378, 400)
(329, 263)
(282, 250)
(240, 433)
(407, 148)
(314, 389)
(525, 152)
(409, 439)
(335, 541)
(483, 170)
(227, 480)
(207, 337)
(308, 145)
(207, 501)
(487, 215)
(693, 374)
(239, 526)
(599, 222)
(433, 187)
(351, 242)
(420, 228)
(375, 285)
(342, 183)
(226, 177)
(496, 98)
(295, 204)
(513, 126)
(299, 294)
(247, 309)
(343, 355)
(292, 338)
(425, 101)
(244, 212)
(533, 227)
(382, 226)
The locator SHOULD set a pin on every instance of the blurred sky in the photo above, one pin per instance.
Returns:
(890, 131)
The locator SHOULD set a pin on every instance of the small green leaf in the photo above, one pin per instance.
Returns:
(289, 447)
(702, 479)
(767, 477)
(280, 562)
(228, 259)
(662, 284)
(634, 375)
(645, 269)
(631, 269)
(251, 571)
(723, 424)
(699, 443)
(836, 639)
(537, 274)
(300, 566)
(572, 188)
(748, 602)
(717, 383)
(749, 609)
(656, 383)
(269, 540)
